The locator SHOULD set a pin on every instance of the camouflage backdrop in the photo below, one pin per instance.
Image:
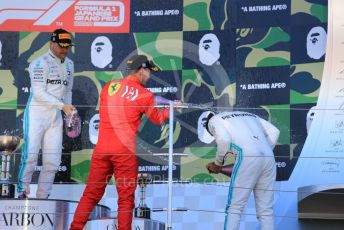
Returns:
(269, 61)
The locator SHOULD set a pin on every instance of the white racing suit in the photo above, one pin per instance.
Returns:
(251, 139)
(51, 88)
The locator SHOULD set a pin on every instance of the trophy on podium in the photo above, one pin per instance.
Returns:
(8, 145)
(142, 211)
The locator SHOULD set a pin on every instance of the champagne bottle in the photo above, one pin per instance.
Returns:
(227, 169)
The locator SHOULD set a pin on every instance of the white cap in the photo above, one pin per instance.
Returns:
(203, 134)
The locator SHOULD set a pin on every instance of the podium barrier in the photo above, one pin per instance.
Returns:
(41, 214)
(321, 202)
(111, 224)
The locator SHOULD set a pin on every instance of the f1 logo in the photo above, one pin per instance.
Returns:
(73, 15)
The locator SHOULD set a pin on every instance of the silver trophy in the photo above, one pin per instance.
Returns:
(142, 211)
(8, 144)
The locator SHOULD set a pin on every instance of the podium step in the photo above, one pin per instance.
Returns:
(42, 214)
(111, 224)
(321, 202)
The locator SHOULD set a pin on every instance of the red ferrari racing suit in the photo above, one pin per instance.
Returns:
(122, 104)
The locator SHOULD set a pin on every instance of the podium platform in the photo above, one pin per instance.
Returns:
(321, 202)
(42, 214)
(111, 224)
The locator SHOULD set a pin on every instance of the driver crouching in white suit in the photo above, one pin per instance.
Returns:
(251, 139)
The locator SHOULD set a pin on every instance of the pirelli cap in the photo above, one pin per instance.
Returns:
(141, 61)
(62, 37)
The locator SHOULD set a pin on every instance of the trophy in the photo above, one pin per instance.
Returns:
(142, 211)
(8, 145)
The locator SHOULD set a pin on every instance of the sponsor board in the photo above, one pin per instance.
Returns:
(257, 86)
(300, 121)
(269, 13)
(8, 49)
(103, 52)
(308, 43)
(285, 163)
(76, 16)
(165, 84)
(156, 15)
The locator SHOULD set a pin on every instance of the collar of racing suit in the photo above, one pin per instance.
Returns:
(133, 78)
(52, 55)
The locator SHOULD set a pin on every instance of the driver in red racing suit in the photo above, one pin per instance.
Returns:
(122, 104)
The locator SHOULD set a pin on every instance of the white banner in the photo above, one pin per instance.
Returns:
(321, 161)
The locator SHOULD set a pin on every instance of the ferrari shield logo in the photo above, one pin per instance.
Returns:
(113, 88)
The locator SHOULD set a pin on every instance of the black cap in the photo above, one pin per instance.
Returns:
(62, 37)
(141, 61)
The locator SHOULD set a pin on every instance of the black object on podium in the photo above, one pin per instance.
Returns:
(7, 190)
(142, 211)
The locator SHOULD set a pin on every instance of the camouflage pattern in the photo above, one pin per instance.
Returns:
(260, 47)
(251, 54)
(206, 15)
(165, 49)
(308, 11)
(8, 92)
(305, 80)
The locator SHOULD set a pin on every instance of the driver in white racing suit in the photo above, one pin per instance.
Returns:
(51, 78)
(251, 139)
